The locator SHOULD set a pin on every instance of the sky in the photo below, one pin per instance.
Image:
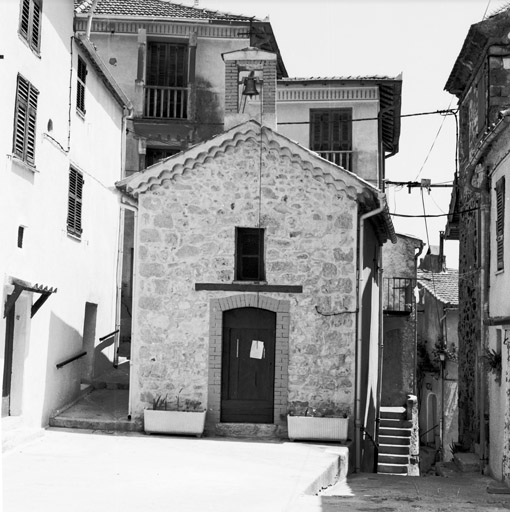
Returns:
(421, 40)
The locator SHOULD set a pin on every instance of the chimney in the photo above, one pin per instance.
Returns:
(250, 87)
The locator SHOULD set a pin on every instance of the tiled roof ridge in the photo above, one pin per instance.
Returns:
(164, 8)
(347, 77)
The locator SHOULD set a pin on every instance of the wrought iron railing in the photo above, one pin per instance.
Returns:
(398, 294)
(341, 158)
(166, 102)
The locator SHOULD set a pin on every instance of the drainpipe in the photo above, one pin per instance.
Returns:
(359, 340)
(416, 256)
(89, 19)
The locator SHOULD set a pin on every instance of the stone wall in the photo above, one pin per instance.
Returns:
(186, 235)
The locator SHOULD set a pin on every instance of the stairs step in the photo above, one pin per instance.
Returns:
(399, 432)
(393, 459)
(396, 413)
(393, 469)
(394, 449)
(394, 423)
(394, 440)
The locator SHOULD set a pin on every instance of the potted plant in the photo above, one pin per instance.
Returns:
(163, 419)
(314, 426)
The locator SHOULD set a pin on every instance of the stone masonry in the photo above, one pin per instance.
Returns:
(186, 235)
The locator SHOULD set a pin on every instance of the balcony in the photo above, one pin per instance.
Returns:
(398, 295)
(341, 158)
(165, 102)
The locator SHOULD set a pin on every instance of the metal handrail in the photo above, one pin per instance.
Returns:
(109, 335)
(71, 359)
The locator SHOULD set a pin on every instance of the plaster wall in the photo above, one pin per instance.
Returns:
(310, 240)
(38, 198)
(365, 134)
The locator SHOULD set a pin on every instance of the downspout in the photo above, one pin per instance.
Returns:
(89, 18)
(359, 340)
(415, 307)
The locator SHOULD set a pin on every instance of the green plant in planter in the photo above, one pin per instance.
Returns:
(493, 363)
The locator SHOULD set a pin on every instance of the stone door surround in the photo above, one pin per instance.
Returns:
(282, 310)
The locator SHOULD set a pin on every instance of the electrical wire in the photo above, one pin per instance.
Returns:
(432, 215)
(435, 138)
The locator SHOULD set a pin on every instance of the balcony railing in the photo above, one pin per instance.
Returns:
(398, 295)
(166, 102)
(341, 158)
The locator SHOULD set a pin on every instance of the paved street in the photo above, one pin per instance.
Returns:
(75, 471)
(66, 471)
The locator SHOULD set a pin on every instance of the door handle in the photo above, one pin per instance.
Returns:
(237, 349)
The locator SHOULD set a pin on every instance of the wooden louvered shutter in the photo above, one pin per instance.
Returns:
(36, 25)
(25, 118)
(74, 207)
(500, 223)
(341, 130)
(24, 22)
(30, 23)
(80, 86)
(319, 130)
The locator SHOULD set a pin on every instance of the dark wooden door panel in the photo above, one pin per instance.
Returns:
(247, 380)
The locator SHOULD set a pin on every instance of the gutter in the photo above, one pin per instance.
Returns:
(359, 340)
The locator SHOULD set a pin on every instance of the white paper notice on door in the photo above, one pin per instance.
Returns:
(257, 349)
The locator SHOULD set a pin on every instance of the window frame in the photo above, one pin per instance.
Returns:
(500, 224)
(75, 203)
(241, 235)
(325, 141)
(25, 121)
(81, 82)
(29, 27)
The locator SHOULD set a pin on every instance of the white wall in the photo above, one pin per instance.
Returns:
(81, 270)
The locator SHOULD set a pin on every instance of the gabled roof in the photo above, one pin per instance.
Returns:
(154, 9)
(444, 286)
(493, 30)
(390, 94)
(332, 175)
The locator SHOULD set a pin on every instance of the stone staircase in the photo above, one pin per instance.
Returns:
(394, 441)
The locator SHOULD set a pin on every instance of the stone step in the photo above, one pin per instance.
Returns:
(397, 413)
(93, 424)
(247, 430)
(394, 423)
(398, 432)
(405, 441)
(394, 449)
(392, 469)
(392, 459)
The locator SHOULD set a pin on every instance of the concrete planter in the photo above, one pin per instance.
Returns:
(174, 422)
(317, 429)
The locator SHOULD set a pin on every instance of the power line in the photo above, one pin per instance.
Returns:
(429, 216)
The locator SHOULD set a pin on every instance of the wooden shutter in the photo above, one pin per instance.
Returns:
(80, 86)
(25, 118)
(500, 223)
(75, 203)
(166, 65)
(331, 130)
(36, 24)
(30, 23)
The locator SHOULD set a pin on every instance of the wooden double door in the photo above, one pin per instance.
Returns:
(248, 357)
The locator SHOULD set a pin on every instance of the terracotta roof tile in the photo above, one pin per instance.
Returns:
(444, 286)
(154, 9)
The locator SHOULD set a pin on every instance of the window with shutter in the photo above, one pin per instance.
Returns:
(30, 23)
(80, 86)
(500, 223)
(75, 199)
(25, 116)
(331, 135)
(250, 254)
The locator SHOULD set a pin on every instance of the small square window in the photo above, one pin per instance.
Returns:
(250, 254)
